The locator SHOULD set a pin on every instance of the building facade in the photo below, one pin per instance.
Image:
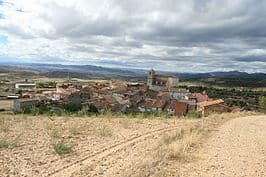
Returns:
(157, 82)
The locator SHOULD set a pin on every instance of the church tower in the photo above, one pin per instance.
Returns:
(150, 77)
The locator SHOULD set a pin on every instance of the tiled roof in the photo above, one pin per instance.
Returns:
(210, 103)
(152, 103)
(199, 96)
(182, 90)
(163, 94)
(165, 75)
(176, 105)
(159, 104)
(62, 91)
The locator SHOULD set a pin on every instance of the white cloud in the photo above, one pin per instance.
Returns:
(175, 35)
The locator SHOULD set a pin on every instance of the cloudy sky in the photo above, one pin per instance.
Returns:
(174, 35)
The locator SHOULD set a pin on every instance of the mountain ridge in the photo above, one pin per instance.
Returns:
(126, 72)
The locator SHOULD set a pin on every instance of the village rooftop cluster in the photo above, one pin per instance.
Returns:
(160, 93)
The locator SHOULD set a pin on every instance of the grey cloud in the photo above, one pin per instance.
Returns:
(251, 59)
(227, 29)
(14, 30)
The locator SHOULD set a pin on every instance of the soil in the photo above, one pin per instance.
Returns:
(237, 149)
(115, 147)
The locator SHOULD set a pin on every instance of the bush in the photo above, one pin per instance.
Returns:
(61, 148)
(3, 143)
(72, 107)
(92, 108)
(262, 102)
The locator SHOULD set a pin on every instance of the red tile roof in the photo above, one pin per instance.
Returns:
(210, 103)
(199, 96)
(159, 104)
(152, 103)
(165, 76)
(182, 90)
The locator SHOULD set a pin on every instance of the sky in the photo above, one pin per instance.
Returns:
(170, 35)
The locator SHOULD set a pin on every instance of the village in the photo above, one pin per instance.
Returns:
(160, 93)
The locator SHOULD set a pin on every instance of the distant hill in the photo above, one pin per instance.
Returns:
(230, 74)
(91, 71)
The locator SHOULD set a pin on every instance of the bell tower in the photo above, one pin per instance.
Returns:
(150, 77)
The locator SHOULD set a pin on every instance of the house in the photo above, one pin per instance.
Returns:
(163, 96)
(63, 93)
(157, 82)
(178, 93)
(106, 102)
(159, 105)
(26, 85)
(135, 100)
(212, 106)
(149, 105)
(198, 97)
(177, 108)
(118, 84)
(120, 92)
(20, 104)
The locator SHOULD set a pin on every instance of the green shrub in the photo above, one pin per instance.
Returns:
(3, 143)
(262, 102)
(92, 108)
(72, 107)
(61, 148)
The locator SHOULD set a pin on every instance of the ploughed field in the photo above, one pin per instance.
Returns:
(100, 146)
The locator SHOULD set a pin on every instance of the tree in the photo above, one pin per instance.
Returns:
(262, 102)
(72, 107)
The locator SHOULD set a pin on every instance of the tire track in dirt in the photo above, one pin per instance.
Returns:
(69, 169)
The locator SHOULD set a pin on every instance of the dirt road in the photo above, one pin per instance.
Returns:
(237, 149)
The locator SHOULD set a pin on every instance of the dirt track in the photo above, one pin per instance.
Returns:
(97, 156)
(237, 149)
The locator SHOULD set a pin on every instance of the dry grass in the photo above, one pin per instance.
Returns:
(75, 130)
(55, 133)
(13, 143)
(104, 131)
(4, 126)
(179, 149)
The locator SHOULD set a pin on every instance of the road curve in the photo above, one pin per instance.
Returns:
(238, 149)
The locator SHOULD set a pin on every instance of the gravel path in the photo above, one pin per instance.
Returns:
(238, 149)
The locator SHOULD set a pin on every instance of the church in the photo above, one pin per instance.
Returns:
(158, 82)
